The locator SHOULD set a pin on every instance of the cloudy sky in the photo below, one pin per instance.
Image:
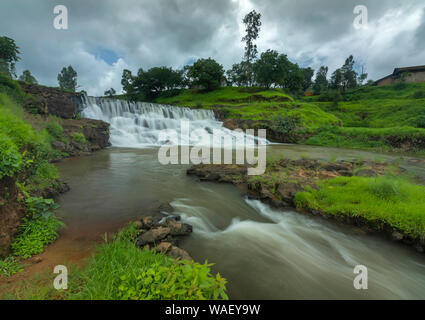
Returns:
(106, 36)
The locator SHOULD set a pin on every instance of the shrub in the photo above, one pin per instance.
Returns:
(418, 95)
(10, 158)
(9, 266)
(38, 229)
(285, 125)
(121, 270)
(55, 129)
(79, 137)
(182, 280)
(35, 234)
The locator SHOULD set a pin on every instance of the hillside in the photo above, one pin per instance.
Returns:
(358, 119)
(253, 104)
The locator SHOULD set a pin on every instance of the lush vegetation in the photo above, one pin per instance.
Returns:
(38, 229)
(380, 201)
(10, 266)
(121, 270)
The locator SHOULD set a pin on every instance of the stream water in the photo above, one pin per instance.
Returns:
(264, 253)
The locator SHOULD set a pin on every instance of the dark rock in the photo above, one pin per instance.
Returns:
(176, 252)
(366, 173)
(163, 247)
(52, 100)
(165, 207)
(178, 228)
(397, 236)
(153, 236)
(288, 191)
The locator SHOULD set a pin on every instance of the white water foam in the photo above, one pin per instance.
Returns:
(137, 124)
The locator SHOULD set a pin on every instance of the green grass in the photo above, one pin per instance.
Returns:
(121, 270)
(253, 104)
(383, 200)
(381, 139)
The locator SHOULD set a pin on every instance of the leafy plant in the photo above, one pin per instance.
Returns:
(55, 129)
(10, 266)
(183, 280)
(79, 137)
(35, 234)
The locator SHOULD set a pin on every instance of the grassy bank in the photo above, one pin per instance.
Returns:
(379, 201)
(119, 270)
(388, 118)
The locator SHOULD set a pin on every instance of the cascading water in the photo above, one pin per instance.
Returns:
(138, 124)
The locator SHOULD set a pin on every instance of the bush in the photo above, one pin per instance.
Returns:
(183, 280)
(121, 270)
(10, 158)
(55, 129)
(79, 137)
(9, 266)
(285, 125)
(418, 95)
(35, 234)
(38, 229)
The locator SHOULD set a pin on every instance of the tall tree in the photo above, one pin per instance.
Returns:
(266, 69)
(9, 55)
(26, 76)
(127, 81)
(307, 81)
(321, 82)
(67, 79)
(252, 23)
(349, 75)
(238, 74)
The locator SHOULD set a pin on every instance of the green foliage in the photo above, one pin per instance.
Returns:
(79, 137)
(9, 55)
(55, 129)
(206, 73)
(38, 229)
(321, 82)
(27, 77)
(252, 23)
(382, 200)
(110, 93)
(285, 125)
(418, 95)
(67, 79)
(121, 270)
(23, 152)
(385, 139)
(10, 266)
(10, 158)
(182, 280)
(152, 83)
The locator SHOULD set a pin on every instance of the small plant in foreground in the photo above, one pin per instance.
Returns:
(183, 280)
(9, 266)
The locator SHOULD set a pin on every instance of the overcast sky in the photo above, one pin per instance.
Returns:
(106, 36)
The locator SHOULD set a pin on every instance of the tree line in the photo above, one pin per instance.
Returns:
(270, 70)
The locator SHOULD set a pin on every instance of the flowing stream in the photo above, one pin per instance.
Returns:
(264, 253)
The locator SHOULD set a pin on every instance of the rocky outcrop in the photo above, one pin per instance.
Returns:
(11, 213)
(161, 233)
(46, 100)
(95, 133)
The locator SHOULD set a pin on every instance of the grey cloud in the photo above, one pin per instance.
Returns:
(171, 32)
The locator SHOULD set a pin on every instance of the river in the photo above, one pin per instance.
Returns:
(262, 252)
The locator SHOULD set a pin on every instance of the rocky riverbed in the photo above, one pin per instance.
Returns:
(161, 232)
(285, 178)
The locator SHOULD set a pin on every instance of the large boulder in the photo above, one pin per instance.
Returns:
(153, 236)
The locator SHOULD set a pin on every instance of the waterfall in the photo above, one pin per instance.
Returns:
(137, 124)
